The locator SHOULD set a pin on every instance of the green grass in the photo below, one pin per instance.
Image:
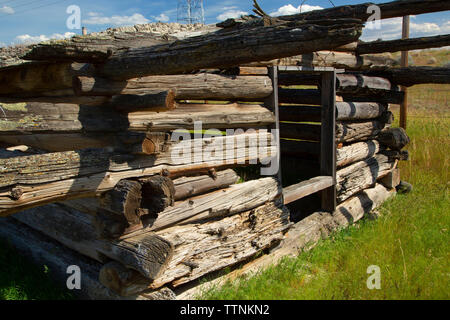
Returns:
(409, 242)
(22, 280)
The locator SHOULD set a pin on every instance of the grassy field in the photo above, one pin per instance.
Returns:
(409, 242)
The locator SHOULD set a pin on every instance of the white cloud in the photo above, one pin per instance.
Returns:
(392, 29)
(231, 14)
(27, 39)
(162, 17)
(136, 18)
(7, 10)
(290, 9)
(446, 27)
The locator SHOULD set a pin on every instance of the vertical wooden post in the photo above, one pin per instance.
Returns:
(404, 63)
(328, 138)
(273, 103)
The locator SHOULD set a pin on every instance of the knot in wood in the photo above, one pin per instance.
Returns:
(16, 193)
(165, 172)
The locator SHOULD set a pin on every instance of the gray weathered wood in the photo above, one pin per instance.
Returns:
(361, 175)
(394, 138)
(403, 44)
(357, 151)
(187, 87)
(409, 76)
(211, 246)
(358, 131)
(306, 188)
(228, 49)
(43, 250)
(147, 254)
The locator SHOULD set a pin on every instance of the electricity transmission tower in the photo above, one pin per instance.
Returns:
(191, 11)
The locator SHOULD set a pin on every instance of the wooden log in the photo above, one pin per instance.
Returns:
(43, 250)
(67, 118)
(128, 142)
(359, 110)
(301, 131)
(147, 254)
(394, 138)
(350, 83)
(344, 111)
(158, 193)
(124, 200)
(222, 203)
(410, 76)
(93, 47)
(360, 11)
(190, 186)
(358, 131)
(217, 116)
(356, 152)
(187, 87)
(42, 77)
(403, 44)
(222, 50)
(35, 180)
(204, 248)
(302, 236)
(362, 175)
(338, 60)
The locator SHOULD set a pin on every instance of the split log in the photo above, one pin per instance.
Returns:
(222, 203)
(357, 152)
(403, 44)
(362, 175)
(358, 131)
(228, 49)
(72, 99)
(411, 76)
(147, 254)
(93, 47)
(68, 118)
(394, 138)
(302, 131)
(201, 86)
(43, 250)
(338, 60)
(204, 248)
(34, 78)
(35, 180)
(190, 186)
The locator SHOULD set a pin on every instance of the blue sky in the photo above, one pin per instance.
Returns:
(33, 20)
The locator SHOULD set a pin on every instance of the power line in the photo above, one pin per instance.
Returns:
(31, 9)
